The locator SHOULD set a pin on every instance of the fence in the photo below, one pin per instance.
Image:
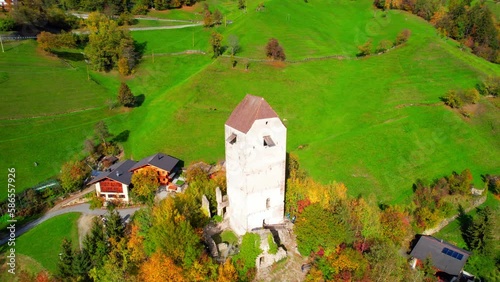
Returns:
(13, 38)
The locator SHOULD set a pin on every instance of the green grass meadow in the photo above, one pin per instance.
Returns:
(375, 123)
(47, 108)
(43, 243)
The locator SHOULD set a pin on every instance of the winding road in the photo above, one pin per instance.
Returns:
(59, 209)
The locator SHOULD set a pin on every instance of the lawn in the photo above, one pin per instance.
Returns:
(43, 243)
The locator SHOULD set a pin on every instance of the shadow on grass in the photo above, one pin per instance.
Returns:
(122, 137)
(69, 55)
(139, 100)
(140, 48)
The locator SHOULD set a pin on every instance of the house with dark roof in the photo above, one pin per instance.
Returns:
(166, 166)
(444, 256)
(114, 183)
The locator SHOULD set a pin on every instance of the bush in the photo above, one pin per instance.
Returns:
(489, 86)
(274, 50)
(273, 247)
(365, 49)
(249, 251)
(457, 98)
(383, 46)
(452, 99)
(125, 96)
(470, 96)
(402, 37)
(7, 24)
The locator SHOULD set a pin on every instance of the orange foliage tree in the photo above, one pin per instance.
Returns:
(227, 272)
(159, 267)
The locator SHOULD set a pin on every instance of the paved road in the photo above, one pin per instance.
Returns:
(81, 208)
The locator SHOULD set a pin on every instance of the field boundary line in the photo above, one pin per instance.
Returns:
(53, 115)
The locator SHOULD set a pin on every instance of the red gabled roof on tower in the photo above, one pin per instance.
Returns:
(249, 110)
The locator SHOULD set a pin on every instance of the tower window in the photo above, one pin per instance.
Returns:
(232, 138)
(268, 141)
(268, 203)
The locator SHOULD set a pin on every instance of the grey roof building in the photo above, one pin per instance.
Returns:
(444, 256)
(159, 160)
(119, 172)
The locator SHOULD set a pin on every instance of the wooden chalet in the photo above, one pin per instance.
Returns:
(166, 166)
(113, 183)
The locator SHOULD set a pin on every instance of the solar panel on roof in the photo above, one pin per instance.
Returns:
(452, 254)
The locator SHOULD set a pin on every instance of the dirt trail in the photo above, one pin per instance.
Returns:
(84, 224)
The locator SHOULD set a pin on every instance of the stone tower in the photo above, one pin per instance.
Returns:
(255, 165)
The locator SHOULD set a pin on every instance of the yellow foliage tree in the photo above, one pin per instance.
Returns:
(227, 272)
(135, 245)
(160, 268)
(145, 183)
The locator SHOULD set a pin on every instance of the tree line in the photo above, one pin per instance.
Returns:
(474, 25)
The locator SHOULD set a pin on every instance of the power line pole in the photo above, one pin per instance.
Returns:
(153, 52)
(1, 43)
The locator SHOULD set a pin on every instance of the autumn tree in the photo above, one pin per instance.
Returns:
(216, 43)
(73, 174)
(48, 41)
(172, 231)
(402, 37)
(108, 43)
(135, 244)
(125, 96)
(227, 272)
(365, 49)
(159, 267)
(217, 17)
(145, 183)
(207, 17)
(101, 131)
(274, 50)
(395, 224)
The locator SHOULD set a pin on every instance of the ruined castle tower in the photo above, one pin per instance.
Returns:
(255, 165)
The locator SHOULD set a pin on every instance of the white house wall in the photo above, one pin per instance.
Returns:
(108, 196)
(256, 173)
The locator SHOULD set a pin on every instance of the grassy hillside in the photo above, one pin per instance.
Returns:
(43, 243)
(47, 108)
(375, 123)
